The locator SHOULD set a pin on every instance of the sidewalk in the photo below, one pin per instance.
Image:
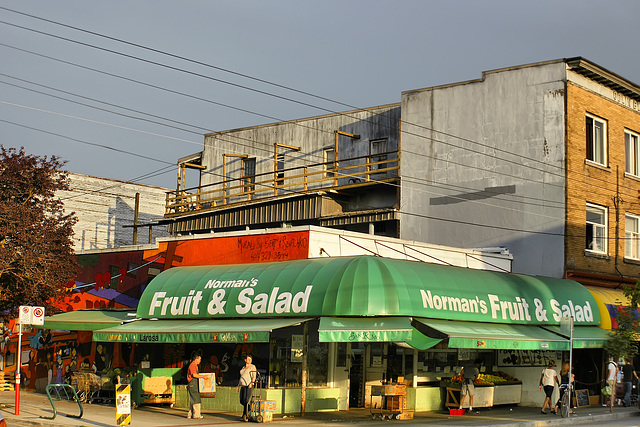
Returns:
(35, 405)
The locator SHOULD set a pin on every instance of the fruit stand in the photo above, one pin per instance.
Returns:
(498, 388)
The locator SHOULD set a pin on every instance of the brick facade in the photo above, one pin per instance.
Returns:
(591, 183)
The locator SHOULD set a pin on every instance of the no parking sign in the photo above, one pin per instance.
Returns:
(31, 315)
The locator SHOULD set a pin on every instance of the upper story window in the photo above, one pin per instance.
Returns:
(280, 169)
(378, 149)
(631, 153)
(596, 231)
(631, 236)
(596, 140)
(329, 162)
(249, 174)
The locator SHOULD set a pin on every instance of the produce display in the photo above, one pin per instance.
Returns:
(487, 379)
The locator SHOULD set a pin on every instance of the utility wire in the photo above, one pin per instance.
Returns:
(101, 102)
(226, 82)
(182, 58)
(88, 143)
(225, 70)
(422, 154)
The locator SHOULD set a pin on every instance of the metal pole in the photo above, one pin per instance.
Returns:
(305, 367)
(570, 355)
(136, 210)
(19, 351)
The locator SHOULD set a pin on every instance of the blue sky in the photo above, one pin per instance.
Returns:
(356, 53)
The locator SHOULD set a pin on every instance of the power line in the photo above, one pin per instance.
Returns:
(344, 114)
(182, 58)
(474, 142)
(239, 74)
(135, 180)
(106, 147)
(101, 102)
(97, 122)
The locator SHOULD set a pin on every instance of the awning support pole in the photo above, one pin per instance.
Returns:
(303, 388)
(415, 368)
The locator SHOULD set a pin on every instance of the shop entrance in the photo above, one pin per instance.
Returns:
(356, 376)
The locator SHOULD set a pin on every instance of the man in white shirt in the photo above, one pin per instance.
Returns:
(612, 375)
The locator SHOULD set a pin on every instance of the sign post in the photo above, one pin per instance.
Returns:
(123, 404)
(566, 327)
(28, 316)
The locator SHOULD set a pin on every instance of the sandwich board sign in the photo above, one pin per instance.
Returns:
(31, 315)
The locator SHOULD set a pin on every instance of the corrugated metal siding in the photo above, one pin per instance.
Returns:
(359, 218)
(282, 211)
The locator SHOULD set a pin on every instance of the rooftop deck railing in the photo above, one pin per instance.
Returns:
(347, 173)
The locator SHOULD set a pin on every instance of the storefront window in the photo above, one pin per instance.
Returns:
(318, 358)
(285, 357)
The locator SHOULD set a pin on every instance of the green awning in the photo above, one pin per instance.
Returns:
(195, 331)
(419, 341)
(364, 286)
(585, 336)
(365, 329)
(86, 320)
(494, 336)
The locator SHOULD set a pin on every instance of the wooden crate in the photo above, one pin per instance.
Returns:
(396, 403)
(406, 414)
(389, 389)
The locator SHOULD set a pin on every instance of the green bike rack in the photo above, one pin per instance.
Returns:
(57, 388)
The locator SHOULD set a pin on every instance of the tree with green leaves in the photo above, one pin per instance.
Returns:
(36, 247)
(622, 342)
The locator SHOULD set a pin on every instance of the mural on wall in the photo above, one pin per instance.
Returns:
(116, 280)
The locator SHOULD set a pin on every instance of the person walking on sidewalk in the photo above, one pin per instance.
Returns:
(612, 375)
(469, 374)
(247, 380)
(193, 387)
(628, 372)
(548, 380)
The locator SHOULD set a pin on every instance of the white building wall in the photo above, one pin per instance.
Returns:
(324, 242)
(104, 206)
(483, 165)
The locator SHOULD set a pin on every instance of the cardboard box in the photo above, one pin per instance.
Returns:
(406, 414)
(265, 406)
(207, 385)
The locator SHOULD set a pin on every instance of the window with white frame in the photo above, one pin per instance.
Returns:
(631, 153)
(631, 236)
(596, 129)
(596, 228)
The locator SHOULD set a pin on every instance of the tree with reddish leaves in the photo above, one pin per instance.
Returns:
(36, 248)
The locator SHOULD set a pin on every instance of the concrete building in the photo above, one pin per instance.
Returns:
(106, 211)
(531, 158)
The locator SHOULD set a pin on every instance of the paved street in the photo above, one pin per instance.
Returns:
(35, 405)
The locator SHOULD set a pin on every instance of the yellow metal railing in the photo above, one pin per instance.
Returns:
(352, 172)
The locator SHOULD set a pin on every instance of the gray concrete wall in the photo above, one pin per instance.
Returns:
(103, 206)
(313, 135)
(483, 165)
